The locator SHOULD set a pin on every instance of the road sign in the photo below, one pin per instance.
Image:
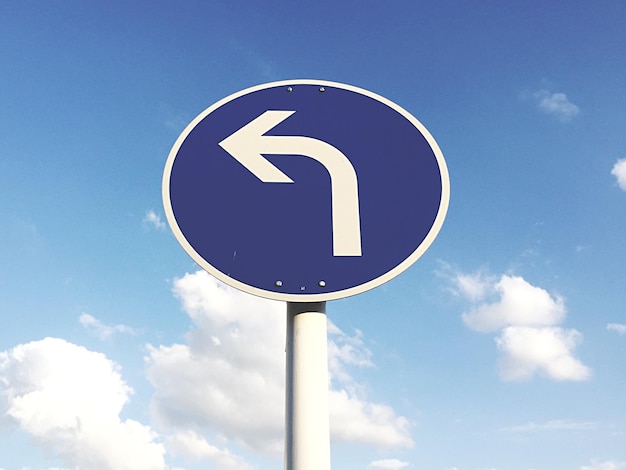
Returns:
(305, 190)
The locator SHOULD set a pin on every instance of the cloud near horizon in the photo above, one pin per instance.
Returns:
(554, 425)
(194, 448)
(607, 465)
(69, 399)
(525, 319)
(389, 464)
(224, 384)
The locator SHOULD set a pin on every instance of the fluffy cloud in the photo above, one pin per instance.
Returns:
(230, 369)
(229, 375)
(194, 448)
(355, 419)
(619, 171)
(389, 464)
(519, 303)
(556, 104)
(69, 399)
(525, 319)
(528, 351)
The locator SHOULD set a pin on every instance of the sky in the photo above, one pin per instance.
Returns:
(502, 348)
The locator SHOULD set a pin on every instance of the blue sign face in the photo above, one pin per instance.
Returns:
(305, 190)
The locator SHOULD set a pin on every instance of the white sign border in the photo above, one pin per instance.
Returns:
(323, 296)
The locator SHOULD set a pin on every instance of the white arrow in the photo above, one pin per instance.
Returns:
(248, 144)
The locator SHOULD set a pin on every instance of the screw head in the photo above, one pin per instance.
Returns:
(278, 283)
(289, 89)
(322, 283)
(322, 89)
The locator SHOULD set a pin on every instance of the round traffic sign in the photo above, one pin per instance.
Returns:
(305, 190)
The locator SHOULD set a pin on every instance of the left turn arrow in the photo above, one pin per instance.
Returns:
(248, 144)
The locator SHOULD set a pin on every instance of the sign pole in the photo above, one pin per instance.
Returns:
(307, 429)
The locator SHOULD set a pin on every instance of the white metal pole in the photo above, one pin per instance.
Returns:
(307, 429)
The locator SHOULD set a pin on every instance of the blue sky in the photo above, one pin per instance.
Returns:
(502, 348)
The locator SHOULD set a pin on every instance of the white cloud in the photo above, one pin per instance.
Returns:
(554, 425)
(556, 104)
(389, 464)
(357, 420)
(619, 171)
(617, 327)
(519, 304)
(345, 350)
(607, 465)
(547, 350)
(101, 330)
(194, 447)
(232, 367)
(69, 399)
(154, 219)
(474, 286)
(524, 318)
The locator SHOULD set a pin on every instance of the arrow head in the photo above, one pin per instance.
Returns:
(246, 145)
